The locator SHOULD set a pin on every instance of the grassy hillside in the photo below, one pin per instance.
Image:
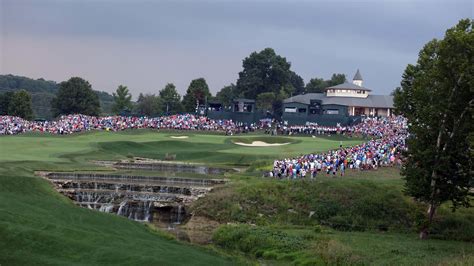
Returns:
(316, 246)
(42, 92)
(350, 203)
(362, 218)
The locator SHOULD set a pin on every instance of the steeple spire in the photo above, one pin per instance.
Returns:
(357, 80)
(357, 76)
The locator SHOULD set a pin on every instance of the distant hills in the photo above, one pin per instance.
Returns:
(43, 91)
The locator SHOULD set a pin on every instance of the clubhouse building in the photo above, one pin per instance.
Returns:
(337, 103)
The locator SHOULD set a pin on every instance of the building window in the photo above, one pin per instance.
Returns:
(332, 111)
(301, 110)
(290, 109)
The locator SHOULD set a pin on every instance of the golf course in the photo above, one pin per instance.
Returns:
(361, 218)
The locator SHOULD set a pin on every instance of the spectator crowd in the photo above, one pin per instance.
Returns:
(387, 138)
(384, 149)
(68, 124)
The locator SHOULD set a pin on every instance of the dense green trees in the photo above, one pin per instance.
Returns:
(12, 82)
(197, 93)
(317, 85)
(264, 71)
(297, 82)
(122, 100)
(227, 94)
(171, 99)
(42, 92)
(5, 99)
(16, 104)
(269, 74)
(437, 97)
(149, 105)
(265, 101)
(20, 105)
(76, 96)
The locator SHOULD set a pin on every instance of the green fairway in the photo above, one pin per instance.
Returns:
(39, 225)
(112, 145)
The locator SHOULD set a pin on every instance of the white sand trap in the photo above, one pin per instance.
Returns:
(179, 137)
(260, 144)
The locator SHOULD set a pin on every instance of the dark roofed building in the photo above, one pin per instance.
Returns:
(243, 105)
(344, 100)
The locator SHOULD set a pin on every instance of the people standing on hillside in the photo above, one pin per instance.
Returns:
(384, 149)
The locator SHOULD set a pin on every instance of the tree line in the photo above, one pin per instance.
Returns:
(42, 93)
(266, 77)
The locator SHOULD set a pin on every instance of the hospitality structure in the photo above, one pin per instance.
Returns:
(338, 102)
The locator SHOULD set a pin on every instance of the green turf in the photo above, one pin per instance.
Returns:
(38, 225)
(316, 246)
(113, 145)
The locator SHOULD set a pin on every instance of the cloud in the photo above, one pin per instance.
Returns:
(146, 44)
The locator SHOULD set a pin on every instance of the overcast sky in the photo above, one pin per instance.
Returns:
(146, 44)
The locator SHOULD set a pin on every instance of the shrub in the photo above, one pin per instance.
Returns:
(258, 241)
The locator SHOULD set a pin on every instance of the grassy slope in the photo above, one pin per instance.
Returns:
(367, 218)
(313, 246)
(38, 225)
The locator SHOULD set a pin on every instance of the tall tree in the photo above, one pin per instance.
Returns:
(149, 105)
(264, 71)
(315, 85)
(171, 99)
(75, 96)
(278, 102)
(122, 100)
(20, 105)
(5, 99)
(318, 85)
(336, 79)
(437, 98)
(265, 101)
(297, 82)
(226, 95)
(197, 93)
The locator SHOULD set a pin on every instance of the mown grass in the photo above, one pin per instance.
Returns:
(364, 216)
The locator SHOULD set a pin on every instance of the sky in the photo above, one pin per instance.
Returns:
(147, 44)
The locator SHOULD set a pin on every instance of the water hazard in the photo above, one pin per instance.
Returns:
(156, 199)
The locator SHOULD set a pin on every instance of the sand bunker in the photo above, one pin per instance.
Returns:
(179, 137)
(260, 144)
